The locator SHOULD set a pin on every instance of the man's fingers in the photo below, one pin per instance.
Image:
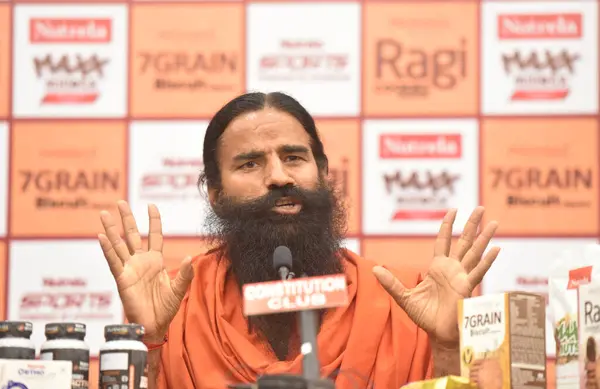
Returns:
(112, 233)
(443, 241)
(473, 256)
(391, 284)
(469, 234)
(477, 274)
(155, 236)
(184, 277)
(114, 262)
(132, 234)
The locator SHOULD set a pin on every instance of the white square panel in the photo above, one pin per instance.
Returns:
(524, 265)
(4, 184)
(352, 244)
(414, 170)
(310, 51)
(539, 57)
(62, 281)
(165, 161)
(70, 60)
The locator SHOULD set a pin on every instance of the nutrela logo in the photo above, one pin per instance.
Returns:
(80, 30)
(398, 146)
(540, 26)
(580, 276)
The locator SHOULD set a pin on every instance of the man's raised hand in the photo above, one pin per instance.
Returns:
(149, 296)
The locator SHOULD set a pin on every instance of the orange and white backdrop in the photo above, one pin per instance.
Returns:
(422, 105)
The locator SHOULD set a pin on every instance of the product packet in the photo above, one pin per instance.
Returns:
(33, 374)
(570, 270)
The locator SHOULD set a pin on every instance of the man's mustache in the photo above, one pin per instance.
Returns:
(265, 203)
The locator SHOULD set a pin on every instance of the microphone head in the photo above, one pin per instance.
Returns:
(282, 257)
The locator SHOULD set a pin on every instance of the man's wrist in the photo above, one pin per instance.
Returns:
(445, 347)
(155, 339)
(446, 359)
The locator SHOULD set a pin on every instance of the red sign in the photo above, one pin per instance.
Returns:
(48, 30)
(580, 276)
(398, 146)
(542, 26)
(295, 295)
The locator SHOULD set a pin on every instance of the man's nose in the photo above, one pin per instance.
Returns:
(276, 174)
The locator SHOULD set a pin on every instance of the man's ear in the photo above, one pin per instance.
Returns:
(213, 195)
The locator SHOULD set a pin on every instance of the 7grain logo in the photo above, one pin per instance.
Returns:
(541, 74)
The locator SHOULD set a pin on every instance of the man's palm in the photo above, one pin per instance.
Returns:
(452, 276)
(149, 296)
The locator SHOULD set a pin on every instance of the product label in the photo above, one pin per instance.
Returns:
(17, 353)
(80, 360)
(527, 341)
(567, 347)
(483, 334)
(123, 369)
(589, 335)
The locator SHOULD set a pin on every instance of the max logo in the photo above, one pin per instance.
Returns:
(547, 60)
(66, 65)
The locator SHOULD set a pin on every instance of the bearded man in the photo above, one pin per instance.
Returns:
(266, 177)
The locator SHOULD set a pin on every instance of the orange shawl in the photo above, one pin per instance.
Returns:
(371, 343)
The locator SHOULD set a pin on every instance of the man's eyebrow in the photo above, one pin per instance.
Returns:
(255, 154)
(293, 149)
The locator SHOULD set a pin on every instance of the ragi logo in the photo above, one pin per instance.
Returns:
(417, 72)
(591, 313)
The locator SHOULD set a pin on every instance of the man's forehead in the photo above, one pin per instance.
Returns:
(256, 129)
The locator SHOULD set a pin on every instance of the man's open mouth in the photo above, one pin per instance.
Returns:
(288, 204)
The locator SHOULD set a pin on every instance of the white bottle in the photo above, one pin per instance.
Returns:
(15, 342)
(124, 357)
(65, 342)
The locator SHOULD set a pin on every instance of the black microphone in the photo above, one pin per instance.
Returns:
(307, 319)
(282, 262)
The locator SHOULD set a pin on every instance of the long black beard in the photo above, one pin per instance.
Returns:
(250, 231)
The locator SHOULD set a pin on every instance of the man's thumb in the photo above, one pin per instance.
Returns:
(183, 278)
(391, 284)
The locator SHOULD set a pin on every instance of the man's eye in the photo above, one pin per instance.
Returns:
(293, 158)
(248, 165)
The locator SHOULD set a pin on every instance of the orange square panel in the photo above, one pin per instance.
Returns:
(540, 176)
(341, 139)
(63, 175)
(420, 58)
(186, 59)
